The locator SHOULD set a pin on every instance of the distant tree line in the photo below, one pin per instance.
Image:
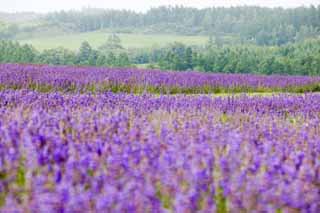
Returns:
(8, 31)
(262, 26)
(294, 59)
(13, 52)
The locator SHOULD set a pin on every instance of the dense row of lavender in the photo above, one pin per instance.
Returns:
(126, 153)
(83, 79)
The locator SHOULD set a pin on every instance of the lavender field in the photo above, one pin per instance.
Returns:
(44, 78)
(67, 145)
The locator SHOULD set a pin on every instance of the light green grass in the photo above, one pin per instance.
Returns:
(73, 41)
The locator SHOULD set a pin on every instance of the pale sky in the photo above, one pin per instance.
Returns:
(137, 5)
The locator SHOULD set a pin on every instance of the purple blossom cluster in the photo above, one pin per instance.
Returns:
(125, 153)
(26, 76)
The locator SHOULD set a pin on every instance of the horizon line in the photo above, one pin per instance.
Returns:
(147, 10)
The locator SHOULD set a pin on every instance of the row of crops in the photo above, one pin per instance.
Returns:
(44, 78)
(71, 142)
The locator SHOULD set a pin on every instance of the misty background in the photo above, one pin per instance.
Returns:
(140, 5)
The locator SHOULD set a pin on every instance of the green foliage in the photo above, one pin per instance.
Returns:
(123, 60)
(21, 175)
(113, 44)
(293, 59)
(13, 52)
(97, 39)
(263, 26)
(111, 60)
(101, 60)
(164, 198)
(301, 58)
(221, 202)
(2, 199)
(84, 54)
(3, 175)
(178, 57)
(58, 56)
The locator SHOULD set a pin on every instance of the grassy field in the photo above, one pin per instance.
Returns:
(73, 41)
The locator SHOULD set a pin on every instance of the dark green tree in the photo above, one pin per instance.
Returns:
(84, 53)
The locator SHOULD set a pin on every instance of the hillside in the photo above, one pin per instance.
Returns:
(262, 26)
(97, 38)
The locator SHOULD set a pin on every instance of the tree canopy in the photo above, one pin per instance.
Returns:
(301, 58)
(263, 26)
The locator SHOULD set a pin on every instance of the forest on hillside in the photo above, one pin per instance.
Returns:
(262, 26)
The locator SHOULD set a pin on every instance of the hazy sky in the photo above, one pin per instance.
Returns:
(138, 5)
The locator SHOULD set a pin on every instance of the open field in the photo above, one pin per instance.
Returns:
(175, 153)
(96, 39)
(46, 78)
(86, 139)
(180, 108)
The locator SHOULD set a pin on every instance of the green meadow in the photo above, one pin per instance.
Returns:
(97, 38)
